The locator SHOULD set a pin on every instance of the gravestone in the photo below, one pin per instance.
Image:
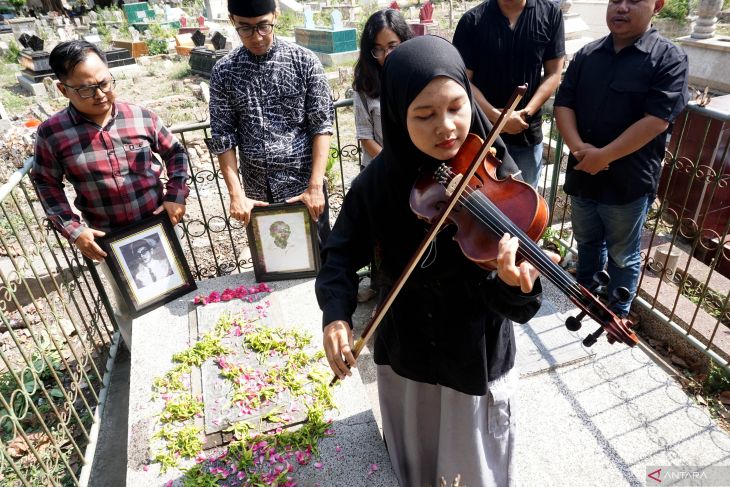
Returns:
(202, 59)
(93, 39)
(50, 87)
(36, 67)
(331, 45)
(308, 18)
(425, 24)
(62, 34)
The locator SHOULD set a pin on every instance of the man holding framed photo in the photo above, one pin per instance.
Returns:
(103, 147)
(271, 100)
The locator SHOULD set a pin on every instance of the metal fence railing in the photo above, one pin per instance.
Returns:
(685, 275)
(57, 334)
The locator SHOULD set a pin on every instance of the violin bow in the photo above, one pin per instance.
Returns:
(438, 225)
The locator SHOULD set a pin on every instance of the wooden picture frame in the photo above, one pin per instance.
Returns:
(283, 242)
(147, 263)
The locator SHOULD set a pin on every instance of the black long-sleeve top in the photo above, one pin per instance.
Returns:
(450, 324)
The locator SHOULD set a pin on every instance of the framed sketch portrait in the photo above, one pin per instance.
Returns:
(147, 263)
(283, 242)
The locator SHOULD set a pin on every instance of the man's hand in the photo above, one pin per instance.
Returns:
(509, 272)
(86, 243)
(338, 345)
(516, 122)
(241, 207)
(313, 198)
(592, 160)
(174, 210)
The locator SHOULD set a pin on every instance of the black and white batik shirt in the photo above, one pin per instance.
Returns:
(270, 107)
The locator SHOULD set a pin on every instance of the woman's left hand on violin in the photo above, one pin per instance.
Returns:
(523, 275)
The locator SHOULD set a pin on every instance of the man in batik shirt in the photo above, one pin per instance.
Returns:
(270, 98)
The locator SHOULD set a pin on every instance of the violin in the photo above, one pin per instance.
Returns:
(466, 192)
(487, 209)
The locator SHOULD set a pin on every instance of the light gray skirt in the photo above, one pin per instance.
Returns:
(434, 431)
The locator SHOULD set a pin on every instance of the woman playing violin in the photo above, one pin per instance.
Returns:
(445, 350)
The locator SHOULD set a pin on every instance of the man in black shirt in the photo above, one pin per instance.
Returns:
(614, 109)
(506, 43)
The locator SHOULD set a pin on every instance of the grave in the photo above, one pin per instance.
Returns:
(332, 46)
(202, 59)
(140, 14)
(575, 30)
(425, 24)
(20, 25)
(345, 456)
(34, 61)
(136, 47)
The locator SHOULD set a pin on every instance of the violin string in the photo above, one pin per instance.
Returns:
(482, 208)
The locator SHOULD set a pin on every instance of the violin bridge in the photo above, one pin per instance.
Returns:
(453, 184)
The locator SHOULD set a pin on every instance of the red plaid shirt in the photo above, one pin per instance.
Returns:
(116, 178)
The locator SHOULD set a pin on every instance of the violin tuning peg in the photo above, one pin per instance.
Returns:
(591, 339)
(620, 295)
(573, 324)
(600, 278)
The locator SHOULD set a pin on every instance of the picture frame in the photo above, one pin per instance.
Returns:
(147, 263)
(283, 242)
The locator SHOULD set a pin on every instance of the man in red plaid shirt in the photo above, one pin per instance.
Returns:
(103, 147)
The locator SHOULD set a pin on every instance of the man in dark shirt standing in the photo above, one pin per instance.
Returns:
(506, 43)
(614, 110)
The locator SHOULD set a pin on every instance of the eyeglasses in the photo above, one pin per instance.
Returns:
(263, 29)
(379, 52)
(89, 91)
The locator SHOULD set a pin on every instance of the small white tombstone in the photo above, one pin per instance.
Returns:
(50, 87)
(94, 39)
(308, 17)
(62, 34)
(336, 18)
(93, 16)
(134, 33)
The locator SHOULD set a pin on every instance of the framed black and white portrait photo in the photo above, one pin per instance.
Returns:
(148, 264)
(283, 242)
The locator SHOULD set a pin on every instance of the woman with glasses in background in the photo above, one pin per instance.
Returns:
(383, 32)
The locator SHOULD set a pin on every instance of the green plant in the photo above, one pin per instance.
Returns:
(287, 21)
(12, 54)
(157, 46)
(675, 9)
(17, 5)
(718, 380)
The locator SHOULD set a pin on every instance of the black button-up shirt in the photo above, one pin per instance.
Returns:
(609, 91)
(502, 58)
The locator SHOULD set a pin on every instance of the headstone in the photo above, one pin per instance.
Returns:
(23, 39)
(93, 16)
(336, 18)
(394, 5)
(50, 87)
(183, 21)
(201, 21)
(308, 18)
(134, 33)
(62, 34)
(425, 14)
(219, 41)
(35, 43)
(198, 38)
(93, 39)
(77, 22)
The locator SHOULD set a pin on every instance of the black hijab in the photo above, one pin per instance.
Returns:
(408, 70)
